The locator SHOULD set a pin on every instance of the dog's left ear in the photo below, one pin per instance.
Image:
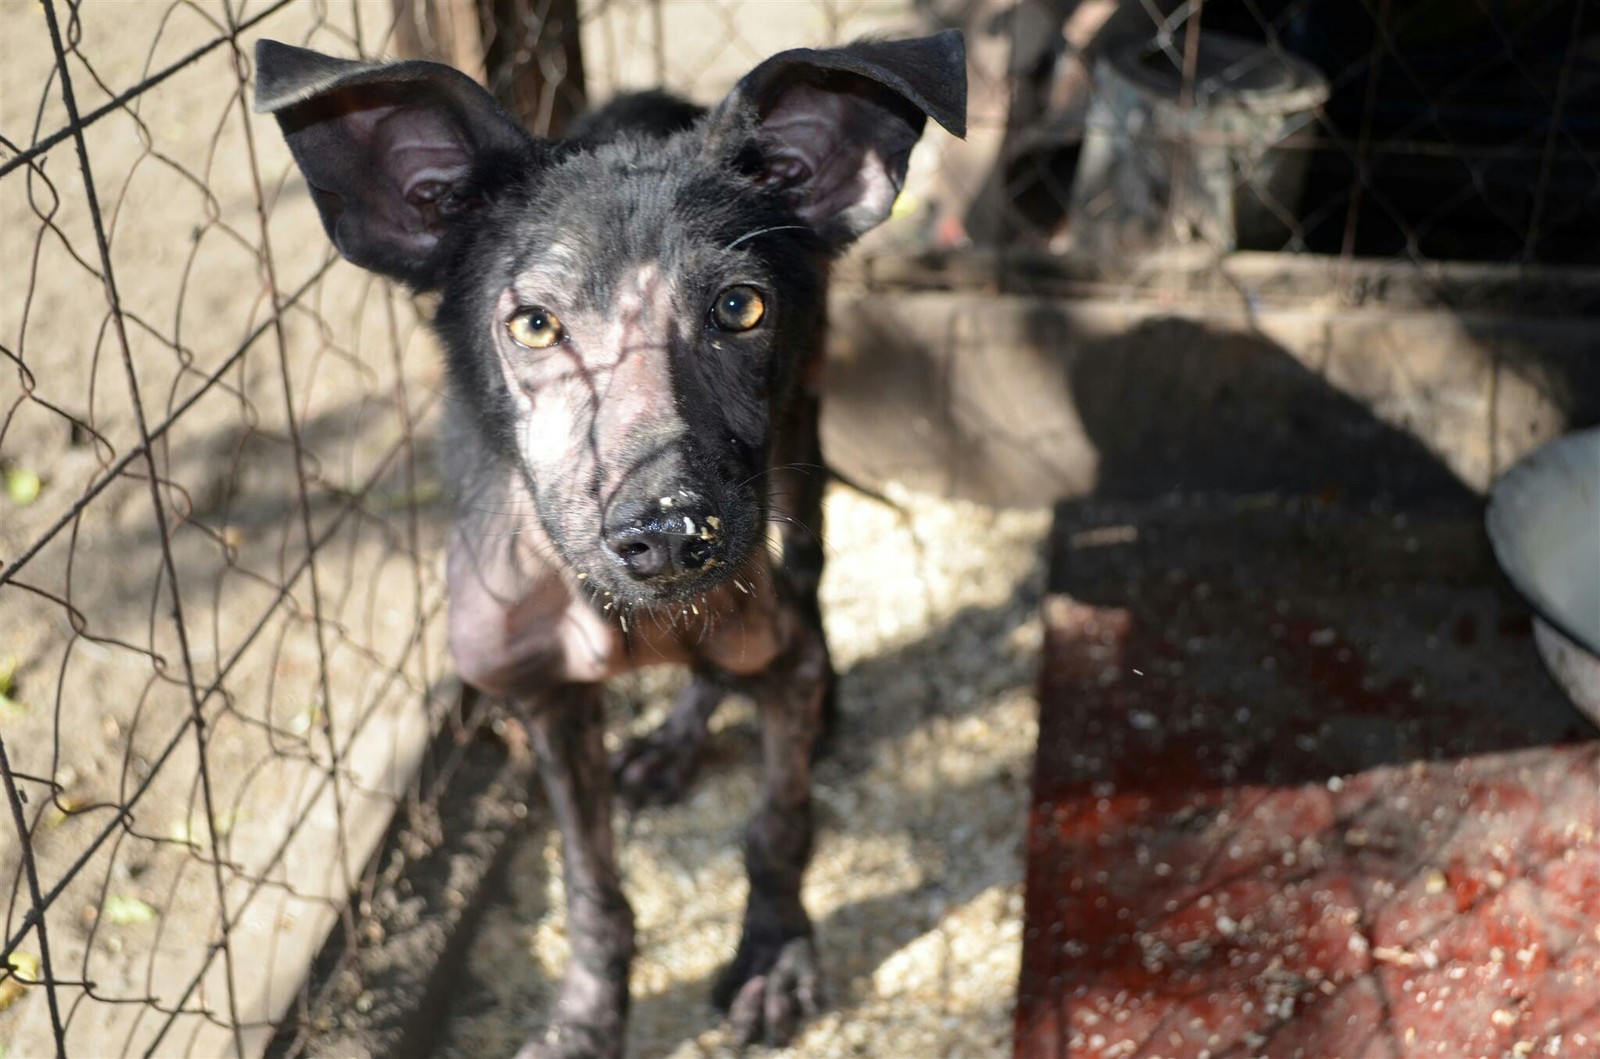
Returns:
(836, 126)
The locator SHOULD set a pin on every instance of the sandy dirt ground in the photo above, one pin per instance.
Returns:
(1303, 789)
(915, 889)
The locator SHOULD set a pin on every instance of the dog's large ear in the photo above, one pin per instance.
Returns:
(388, 149)
(837, 126)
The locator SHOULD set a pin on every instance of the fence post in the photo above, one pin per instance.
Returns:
(446, 31)
(534, 61)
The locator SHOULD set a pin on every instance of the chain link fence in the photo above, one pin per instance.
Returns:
(221, 642)
(220, 594)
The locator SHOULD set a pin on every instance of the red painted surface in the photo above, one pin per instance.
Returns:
(1249, 838)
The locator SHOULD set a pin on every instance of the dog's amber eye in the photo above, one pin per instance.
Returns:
(535, 328)
(739, 308)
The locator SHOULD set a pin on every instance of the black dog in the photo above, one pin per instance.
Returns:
(633, 318)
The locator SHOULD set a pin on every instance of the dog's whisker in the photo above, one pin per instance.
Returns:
(764, 231)
(805, 468)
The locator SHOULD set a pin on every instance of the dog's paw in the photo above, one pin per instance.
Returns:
(658, 768)
(768, 1003)
(574, 1042)
(589, 1019)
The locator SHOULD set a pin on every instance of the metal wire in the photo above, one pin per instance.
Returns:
(140, 843)
(220, 599)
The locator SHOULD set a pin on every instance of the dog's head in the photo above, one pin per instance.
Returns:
(624, 312)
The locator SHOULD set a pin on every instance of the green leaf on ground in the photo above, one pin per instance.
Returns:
(126, 911)
(23, 486)
(10, 708)
(24, 972)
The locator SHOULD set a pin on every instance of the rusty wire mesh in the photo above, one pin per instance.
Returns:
(221, 651)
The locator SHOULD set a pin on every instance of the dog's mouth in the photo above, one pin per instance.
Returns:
(621, 595)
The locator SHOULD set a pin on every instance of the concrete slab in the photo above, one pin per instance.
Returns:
(1246, 377)
(1302, 790)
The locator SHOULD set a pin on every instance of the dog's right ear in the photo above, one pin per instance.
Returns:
(389, 150)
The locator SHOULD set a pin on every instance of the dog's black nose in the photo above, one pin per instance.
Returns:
(664, 544)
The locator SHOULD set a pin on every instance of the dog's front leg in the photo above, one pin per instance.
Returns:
(591, 1012)
(772, 984)
(657, 768)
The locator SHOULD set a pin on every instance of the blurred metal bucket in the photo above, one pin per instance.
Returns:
(1160, 170)
(1544, 523)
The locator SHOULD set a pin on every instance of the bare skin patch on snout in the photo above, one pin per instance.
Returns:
(581, 402)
